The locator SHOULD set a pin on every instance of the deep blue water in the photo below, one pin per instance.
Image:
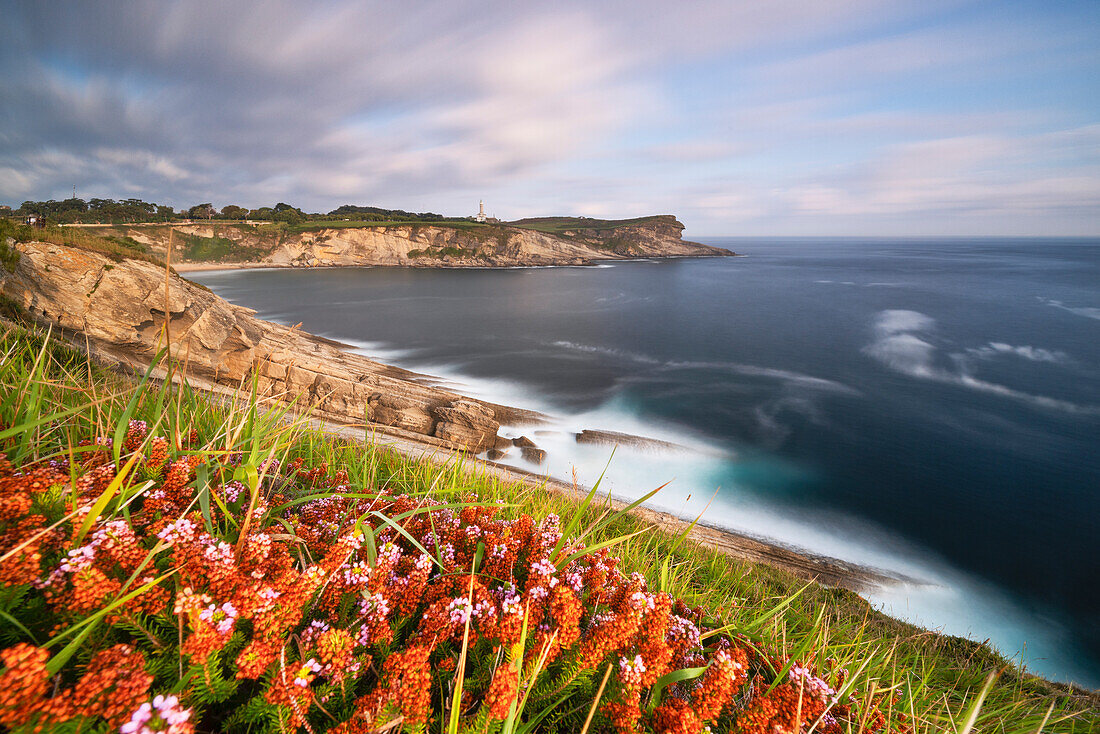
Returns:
(930, 405)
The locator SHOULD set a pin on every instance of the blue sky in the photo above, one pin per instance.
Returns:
(788, 117)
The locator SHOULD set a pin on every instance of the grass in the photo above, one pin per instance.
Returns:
(115, 246)
(264, 238)
(561, 225)
(318, 225)
(439, 253)
(52, 397)
(196, 248)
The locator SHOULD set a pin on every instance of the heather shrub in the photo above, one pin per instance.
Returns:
(168, 564)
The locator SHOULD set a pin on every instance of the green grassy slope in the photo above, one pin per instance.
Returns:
(51, 398)
(558, 225)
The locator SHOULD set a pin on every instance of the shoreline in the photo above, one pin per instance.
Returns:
(197, 267)
(321, 364)
(825, 570)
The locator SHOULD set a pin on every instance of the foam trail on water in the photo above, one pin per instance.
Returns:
(900, 348)
(940, 597)
(900, 339)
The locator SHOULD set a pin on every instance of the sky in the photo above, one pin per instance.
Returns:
(786, 117)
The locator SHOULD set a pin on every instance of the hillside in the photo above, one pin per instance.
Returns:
(554, 241)
(222, 563)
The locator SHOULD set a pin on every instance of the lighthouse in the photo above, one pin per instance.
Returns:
(480, 212)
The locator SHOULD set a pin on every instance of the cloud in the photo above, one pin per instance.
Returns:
(342, 102)
(787, 116)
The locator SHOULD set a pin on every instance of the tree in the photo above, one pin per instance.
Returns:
(201, 210)
(232, 211)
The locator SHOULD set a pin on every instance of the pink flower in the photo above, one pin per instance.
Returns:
(163, 716)
(306, 673)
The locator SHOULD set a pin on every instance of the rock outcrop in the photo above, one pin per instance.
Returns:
(120, 307)
(428, 245)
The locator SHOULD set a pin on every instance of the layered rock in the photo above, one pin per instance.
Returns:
(438, 245)
(121, 306)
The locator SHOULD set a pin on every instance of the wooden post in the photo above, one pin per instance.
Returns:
(167, 309)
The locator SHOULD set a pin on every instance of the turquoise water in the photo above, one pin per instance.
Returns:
(931, 407)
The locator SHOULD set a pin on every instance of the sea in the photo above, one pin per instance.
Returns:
(929, 407)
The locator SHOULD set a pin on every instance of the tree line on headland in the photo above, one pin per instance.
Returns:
(133, 211)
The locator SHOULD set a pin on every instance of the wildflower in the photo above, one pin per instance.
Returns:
(222, 617)
(460, 610)
(23, 684)
(181, 531)
(502, 692)
(233, 490)
(335, 648)
(630, 671)
(136, 432)
(114, 684)
(306, 673)
(162, 715)
(158, 453)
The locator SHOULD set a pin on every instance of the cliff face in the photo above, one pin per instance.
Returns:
(120, 307)
(422, 245)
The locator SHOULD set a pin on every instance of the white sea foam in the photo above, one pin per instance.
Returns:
(894, 321)
(749, 370)
(899, 348)
(1030, 353)
(1090, 312)
(904, 340)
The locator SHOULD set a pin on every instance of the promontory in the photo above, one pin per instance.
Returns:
(457, 244)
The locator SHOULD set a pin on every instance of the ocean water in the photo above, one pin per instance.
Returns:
(927, 406)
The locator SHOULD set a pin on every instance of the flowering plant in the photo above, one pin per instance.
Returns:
(294, 601)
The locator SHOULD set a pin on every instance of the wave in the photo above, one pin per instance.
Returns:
(748, 370)
(1089, 312)
(1030, 353)
(899, 347)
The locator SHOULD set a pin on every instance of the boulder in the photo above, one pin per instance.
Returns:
(523, 442)
(400, 412)
(467, 423)
(534, 455)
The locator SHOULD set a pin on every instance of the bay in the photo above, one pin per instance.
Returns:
(928, 406)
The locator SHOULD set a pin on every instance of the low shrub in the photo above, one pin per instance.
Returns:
(172, 565)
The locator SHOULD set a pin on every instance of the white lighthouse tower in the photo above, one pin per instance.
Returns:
(480, 212)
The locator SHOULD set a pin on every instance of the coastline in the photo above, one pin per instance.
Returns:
(825, 570)
(328, 366)
(829, 571)
(197, 267)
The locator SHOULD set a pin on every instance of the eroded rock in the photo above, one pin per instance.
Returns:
(467, 422)
(120, 307)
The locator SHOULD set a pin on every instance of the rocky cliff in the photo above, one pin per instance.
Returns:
(424, 245)
(120, 307)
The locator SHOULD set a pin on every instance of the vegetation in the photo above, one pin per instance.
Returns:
(441, 252)
(563, 225)
(173, 564)
(215, 249)
(116, 247)
(96, 210)
(135, 211)
(9, 256)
